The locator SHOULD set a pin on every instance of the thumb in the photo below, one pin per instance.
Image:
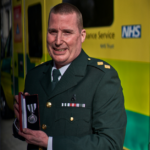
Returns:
(27, 131)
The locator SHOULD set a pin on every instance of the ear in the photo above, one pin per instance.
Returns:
(83, 35)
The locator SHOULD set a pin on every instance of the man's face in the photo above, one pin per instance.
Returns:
(64, 39)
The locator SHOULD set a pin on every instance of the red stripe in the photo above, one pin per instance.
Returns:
(70, 104)
(74, 104)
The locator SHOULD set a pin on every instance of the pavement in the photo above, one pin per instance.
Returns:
(7, 141)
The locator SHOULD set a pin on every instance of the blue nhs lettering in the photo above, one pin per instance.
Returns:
(133, 31)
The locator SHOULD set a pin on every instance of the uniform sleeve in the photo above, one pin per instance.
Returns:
(15, 131)
(108, 119)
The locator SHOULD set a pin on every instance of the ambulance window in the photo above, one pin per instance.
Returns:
(9, 54)
(35, 30)
(8, 46)
(96, 13)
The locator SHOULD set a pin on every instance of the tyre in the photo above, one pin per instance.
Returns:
(6, 112)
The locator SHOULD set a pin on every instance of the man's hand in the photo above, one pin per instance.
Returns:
(35, 137)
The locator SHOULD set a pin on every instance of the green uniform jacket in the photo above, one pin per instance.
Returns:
(99, 123)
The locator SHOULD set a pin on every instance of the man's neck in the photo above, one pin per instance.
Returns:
(57, 66)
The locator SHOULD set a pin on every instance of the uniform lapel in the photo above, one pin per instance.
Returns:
(46, 79)
(73, 74)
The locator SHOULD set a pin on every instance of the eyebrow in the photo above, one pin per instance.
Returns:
(51, 29)
(68, 30)
(64, 30)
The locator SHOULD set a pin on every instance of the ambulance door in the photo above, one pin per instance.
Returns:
(35, 45)
(18, 46)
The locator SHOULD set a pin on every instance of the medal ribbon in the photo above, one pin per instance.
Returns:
(31, 107)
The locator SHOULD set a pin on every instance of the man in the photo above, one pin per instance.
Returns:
(85, 110)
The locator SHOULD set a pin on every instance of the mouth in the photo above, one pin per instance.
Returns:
(60, 50)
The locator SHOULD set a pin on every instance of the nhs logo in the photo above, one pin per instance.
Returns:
(132, 31)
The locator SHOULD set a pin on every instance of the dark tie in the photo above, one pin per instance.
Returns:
(56, 74)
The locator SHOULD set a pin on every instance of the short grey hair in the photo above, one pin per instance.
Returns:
(66, 8)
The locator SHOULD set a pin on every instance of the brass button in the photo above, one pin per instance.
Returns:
(44, 126)
(48, 104)
(40, 148)
(71, 118)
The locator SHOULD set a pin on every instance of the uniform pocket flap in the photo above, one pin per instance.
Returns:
(73, 114)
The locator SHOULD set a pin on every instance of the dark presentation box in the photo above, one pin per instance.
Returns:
(29, 112)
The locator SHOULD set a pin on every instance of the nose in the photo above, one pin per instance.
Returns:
(58, 39)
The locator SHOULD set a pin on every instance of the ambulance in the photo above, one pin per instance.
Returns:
(117, 31)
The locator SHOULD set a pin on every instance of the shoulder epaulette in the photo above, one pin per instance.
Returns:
(100, 64)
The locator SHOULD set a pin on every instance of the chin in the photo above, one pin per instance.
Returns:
(60, 59)
(60, 62)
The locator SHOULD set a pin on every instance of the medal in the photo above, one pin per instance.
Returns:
(32, 118)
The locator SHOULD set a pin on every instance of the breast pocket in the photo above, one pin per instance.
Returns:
(72, 121)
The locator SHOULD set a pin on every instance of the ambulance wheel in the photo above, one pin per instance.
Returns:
(6, 112)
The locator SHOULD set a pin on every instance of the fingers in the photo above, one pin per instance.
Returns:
(16, 96)
(22, 134)
(16, 107)
(34, 137)
(29, 136)
(16, 113)
(16, 99)
(28, 131)
(26, 93)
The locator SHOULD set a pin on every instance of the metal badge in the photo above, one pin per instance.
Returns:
(107, 66)
(100, 63)
(73, 97)
(32, 118)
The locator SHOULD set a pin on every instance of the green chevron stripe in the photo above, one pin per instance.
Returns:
(137, 131)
